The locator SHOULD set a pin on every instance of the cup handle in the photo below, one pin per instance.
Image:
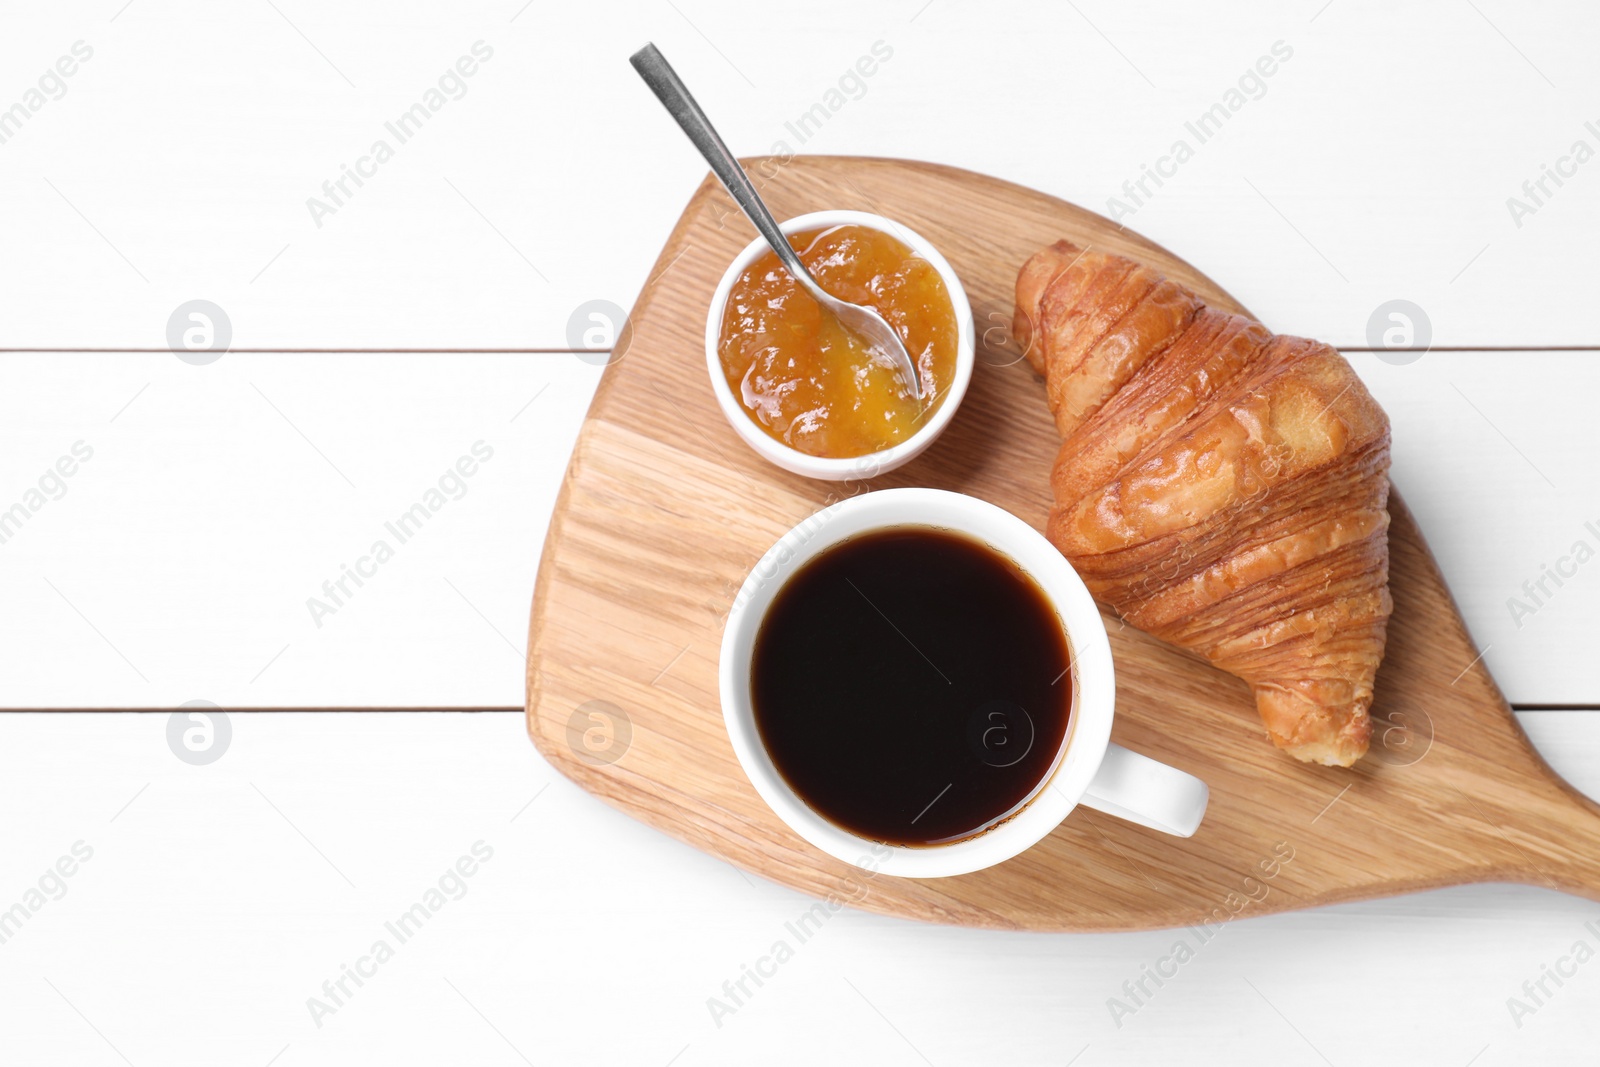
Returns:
(1143, 791)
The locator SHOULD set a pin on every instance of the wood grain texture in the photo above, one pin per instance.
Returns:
(664, 510)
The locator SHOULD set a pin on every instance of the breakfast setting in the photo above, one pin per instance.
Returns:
(669, 534)
(1151, 489)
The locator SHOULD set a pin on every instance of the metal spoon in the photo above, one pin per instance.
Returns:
(864, 321)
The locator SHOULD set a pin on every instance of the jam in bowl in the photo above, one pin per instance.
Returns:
(807, 393)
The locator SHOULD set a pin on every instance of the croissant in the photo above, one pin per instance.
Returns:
(1218, 486)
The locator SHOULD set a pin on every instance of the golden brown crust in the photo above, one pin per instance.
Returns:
(1218, 486)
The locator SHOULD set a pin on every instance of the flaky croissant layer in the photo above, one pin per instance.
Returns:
(1218, 486)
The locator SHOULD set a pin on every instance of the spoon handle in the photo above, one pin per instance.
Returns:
(664, 82)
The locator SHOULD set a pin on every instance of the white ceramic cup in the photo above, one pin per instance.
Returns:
(1088, 769)
(873, 463)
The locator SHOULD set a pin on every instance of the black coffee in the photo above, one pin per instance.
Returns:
(912, 685)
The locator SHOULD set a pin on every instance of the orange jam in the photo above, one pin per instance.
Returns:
(816, 386)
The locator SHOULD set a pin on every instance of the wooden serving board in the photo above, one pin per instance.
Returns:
(664, 510)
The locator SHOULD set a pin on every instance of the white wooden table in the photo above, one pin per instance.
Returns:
(380, 336)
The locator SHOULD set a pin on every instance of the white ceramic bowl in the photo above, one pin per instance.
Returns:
(873, 463)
